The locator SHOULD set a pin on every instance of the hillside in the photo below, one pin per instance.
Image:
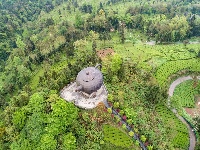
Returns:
(43, 46)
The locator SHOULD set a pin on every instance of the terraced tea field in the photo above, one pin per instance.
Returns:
(169, 68)
(117, 137)
(177, 130)
(185, 93)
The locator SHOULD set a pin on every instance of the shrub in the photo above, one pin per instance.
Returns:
(116, 136)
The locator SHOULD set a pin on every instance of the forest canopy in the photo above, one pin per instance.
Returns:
(45, 43)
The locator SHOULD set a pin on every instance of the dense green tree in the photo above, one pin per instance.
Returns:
(41, 121)
(33, 39)
(49, 22)
(99, 23)
(104, 36)
(171, 30)
(47, 142)
(197, 146)
(111, 67)
(63, 114)
(15, 74)
(79, 21)
(19, 118)
(122, 32)
(194, 22)
(69, 142)
(86, 8)
(20, 43)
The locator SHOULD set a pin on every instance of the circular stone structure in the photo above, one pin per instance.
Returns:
(89, 80)
(88, 90)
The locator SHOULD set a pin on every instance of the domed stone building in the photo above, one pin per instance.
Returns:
(88, 90)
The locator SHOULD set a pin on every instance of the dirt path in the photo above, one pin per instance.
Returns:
(170, 92)
(127, 126)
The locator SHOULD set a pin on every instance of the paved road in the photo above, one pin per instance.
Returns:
(177, 82)
(170, 92)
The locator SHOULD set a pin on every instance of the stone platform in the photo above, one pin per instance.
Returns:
(82, 99)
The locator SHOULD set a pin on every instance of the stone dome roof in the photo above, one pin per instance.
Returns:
(89, 80)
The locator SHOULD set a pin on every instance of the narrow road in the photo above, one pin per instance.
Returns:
(177, 82)
(170, 92)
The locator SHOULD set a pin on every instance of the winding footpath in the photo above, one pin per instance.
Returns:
(127, 126)
(170, 92)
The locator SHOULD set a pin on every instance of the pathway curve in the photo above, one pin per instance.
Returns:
(170, 92)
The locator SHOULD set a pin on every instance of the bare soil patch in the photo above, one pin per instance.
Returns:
(194, 111)
(105, 52)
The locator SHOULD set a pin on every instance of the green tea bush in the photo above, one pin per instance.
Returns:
(172, 67)
(177, 130)
(185, 93)
(116, 137)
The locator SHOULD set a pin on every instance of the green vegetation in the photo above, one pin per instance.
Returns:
(44, 44)
(117, 137)
(41, 123)
(185, 93)
(172, 67)
(177, 131)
